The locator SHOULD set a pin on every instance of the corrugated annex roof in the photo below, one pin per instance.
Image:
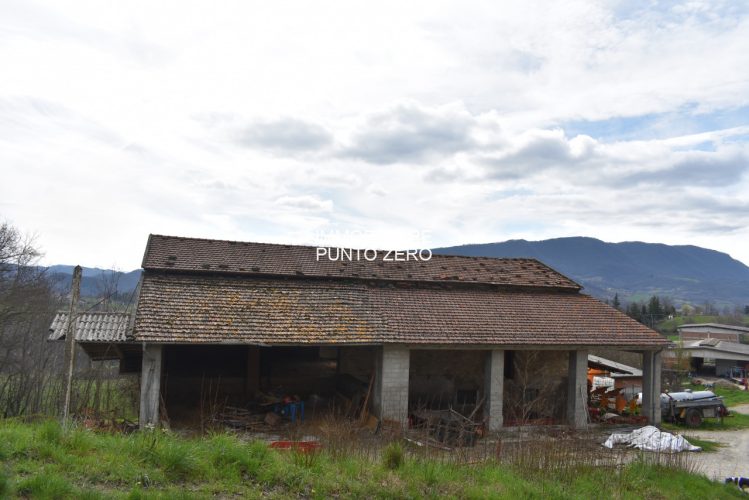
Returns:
(93, 327)
(172, 253)
(195, 308)
(716, 345)
(719, 326)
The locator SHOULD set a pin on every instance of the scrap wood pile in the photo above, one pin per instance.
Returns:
(244, 419)
(263, 414)
(91, 419)
(446, 428)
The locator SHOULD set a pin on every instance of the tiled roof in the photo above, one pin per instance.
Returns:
(195, 308)
(171, 253)
(93, 327)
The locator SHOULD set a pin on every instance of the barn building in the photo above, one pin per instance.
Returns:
(237, 319)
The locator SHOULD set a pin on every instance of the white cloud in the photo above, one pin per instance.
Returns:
(268, 122)
(313, 203)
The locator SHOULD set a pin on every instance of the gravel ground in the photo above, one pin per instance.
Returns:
(730, 460)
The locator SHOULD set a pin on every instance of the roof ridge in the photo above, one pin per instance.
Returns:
(296, 245)
(203, 255)
(94, 312)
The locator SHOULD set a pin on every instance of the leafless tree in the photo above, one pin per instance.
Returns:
(533, 392)
(27, 304)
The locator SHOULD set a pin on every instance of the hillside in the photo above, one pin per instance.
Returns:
(634, 270)
(94, 280)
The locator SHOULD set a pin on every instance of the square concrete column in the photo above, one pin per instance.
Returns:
(150, 385)
(391, 383)
(651, 386)
(494, 381)
(577, 389)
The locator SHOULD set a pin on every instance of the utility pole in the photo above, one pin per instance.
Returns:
(69, 364)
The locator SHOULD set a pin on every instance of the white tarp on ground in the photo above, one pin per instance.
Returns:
(649, 438)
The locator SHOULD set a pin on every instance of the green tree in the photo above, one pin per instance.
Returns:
(616, 303)
(654, 308)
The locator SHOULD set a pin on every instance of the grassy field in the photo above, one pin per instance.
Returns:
(42, 461)
(733, 422)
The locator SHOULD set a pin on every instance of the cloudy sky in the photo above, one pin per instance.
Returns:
(373, 124)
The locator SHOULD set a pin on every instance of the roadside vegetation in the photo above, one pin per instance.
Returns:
(41, 460)
(733, 422)
(732, 397)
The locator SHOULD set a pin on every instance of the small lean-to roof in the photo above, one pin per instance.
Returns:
(172, 253)
(618, 370)
(210, 308)
(93, 327)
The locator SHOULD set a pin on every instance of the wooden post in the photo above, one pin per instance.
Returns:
(69, 362)
(150, 386)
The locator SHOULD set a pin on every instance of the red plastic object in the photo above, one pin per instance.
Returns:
(303, 446)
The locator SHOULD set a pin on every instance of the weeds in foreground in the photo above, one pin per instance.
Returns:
(393, 456)
(5, 485)
(45, 486)
(80, 463)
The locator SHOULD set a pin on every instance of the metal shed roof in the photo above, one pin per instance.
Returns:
(93, 327)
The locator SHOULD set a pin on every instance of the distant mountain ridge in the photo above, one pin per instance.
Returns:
(634, 270)
(93, 279)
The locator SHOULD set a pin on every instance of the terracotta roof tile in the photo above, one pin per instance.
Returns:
(195, 308)
(172, 253)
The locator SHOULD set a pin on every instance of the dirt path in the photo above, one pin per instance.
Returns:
(744, 409)
(732, 459)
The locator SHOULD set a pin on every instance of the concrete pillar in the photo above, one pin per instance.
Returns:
(577, 389)
(150, 385)
(390, 400)
(494, 381)
(651, 386)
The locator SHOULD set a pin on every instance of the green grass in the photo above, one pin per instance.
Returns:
(733, 422)
(732, 397)
(707, 445)
(43, 461)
